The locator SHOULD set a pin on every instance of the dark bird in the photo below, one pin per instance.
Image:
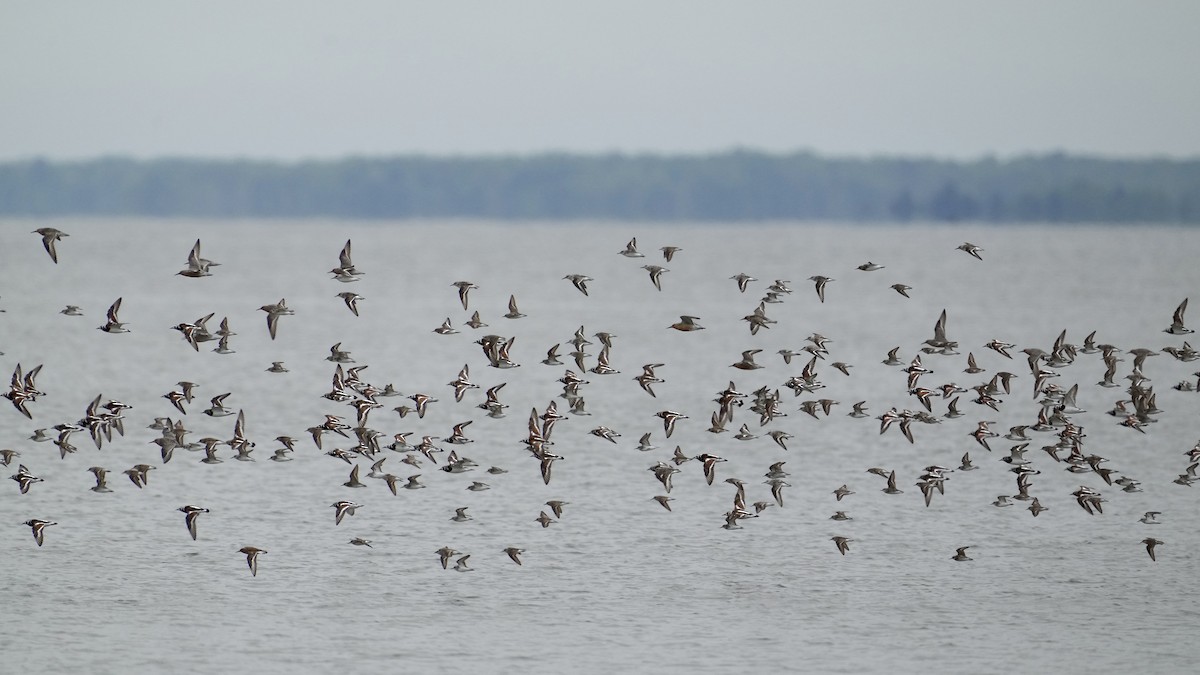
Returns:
(1150, 543)
(843, 544)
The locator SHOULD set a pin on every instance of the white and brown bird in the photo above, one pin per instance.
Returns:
(39, 526)
(191, 514)
(669, 418)
(252, 554)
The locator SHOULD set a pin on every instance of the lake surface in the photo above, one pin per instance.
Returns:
(618, 584)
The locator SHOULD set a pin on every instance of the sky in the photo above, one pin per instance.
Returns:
(300, 79)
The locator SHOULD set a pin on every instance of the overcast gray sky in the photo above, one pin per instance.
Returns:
(299, 78)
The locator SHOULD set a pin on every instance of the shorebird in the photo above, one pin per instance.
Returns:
(1150, 543)
(648, 378)
(1177, 327)
(1000, 347)
(744, 434)
(24, 479)
(513, 312)
(982, 433)
(1089, 500)
(631, 250)
(354, 482)
(461, 384)
(709, 463)
(273, 313)
(966, 463)
(514, 553)
(252, 554)
(656, 273)
(191, 513)
(892, 358)
(39, 526)
(444, 554)
(422, 401)
(447, 328)
(345, 272)
(223, 346)
(343, 508)
(49, 237)
(743, 281)
(747, 362)
(580, 281)
(464, 288)
(351, 300)
(960, 554)
(891, 488)
(113, 323)
(843, 544)
(217, 406)
(820, 285)
(196, 265)
(780, 437)
(971, 249)
(669, 417)
(605, 433)
(686, 324)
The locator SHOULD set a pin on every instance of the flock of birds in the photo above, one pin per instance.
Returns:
(1053, 420)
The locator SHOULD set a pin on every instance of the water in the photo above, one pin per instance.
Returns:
(619, 584)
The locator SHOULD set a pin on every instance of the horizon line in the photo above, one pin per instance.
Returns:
(609, 154)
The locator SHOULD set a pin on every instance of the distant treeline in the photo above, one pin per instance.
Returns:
(721, 187)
